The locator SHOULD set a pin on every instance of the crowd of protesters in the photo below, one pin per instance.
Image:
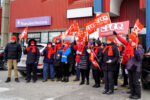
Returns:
(58, 58)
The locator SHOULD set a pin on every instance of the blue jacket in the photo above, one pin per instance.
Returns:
(46, 59)
(65, 55)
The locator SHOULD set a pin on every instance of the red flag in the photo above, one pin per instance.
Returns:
(77, 30)
(91, 27)
(102, 20)
(137, 28)
(23, 34)
(92, 56)
(70, 31)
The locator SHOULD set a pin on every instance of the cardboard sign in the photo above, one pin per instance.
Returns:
(120, 27)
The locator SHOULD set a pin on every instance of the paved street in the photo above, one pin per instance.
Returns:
(57, 91)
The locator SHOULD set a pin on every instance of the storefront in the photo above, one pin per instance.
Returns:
(63, 13)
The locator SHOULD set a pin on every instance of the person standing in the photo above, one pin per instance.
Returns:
(83, 65)
(12, 55)
(96, 72)
(57, 59)
(109, 58)
(48, 54)
(33, 56)
(64, 61)
(134, 69)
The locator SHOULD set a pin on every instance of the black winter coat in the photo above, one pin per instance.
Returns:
(32, 57)
(57, 58)
(13, 51)
(46, 59)
(104, 58)
(84, 60)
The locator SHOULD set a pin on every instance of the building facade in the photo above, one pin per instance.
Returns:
(59, 15)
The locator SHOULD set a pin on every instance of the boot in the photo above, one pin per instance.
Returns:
(45, 80)
(27, 81)
(97, 86)
(105, 92)
(17, 80)
(64, 79)
(82, 82)
(134, 97)
(87, 83)
(94, 85)
(76, 79)
(67, 79)
(8, 80)
(110, 92)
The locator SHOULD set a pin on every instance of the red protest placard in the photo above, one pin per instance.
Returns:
(120, 27)
(102, 20)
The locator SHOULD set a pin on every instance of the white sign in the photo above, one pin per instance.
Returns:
(80, 12)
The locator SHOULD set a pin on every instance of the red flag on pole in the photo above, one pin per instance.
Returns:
(92, 56)
(23, 34)
(91, 27)
(71, 29)
(59, 36)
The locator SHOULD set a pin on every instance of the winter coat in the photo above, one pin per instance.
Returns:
(126, 43)
(46, 59)
(104, 58)
(32, 57)
(84, 60)
(134, 63)
(65, 55)
(57, 57)
(13, 51)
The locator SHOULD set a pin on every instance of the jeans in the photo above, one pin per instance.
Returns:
(45, 71)
(77, 73)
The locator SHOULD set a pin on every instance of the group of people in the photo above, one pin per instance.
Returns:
(59, 57)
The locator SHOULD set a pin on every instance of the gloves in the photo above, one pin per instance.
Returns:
(88, 51)
(78, 52)
(114, 32)
(109, 61)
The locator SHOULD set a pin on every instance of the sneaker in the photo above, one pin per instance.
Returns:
(8, 80)
(110, 92)
(105, 92)
(76, 79)
(17, 80)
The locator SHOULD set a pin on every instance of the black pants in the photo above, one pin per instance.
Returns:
(125, 77)
(134, 83)
(59, 71)
(109, 80)
(65, 69)
(31, 68)
(96, 76)
(85, 74)
(116, 74)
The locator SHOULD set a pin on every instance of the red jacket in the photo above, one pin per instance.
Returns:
(78, 51)
(126, 51)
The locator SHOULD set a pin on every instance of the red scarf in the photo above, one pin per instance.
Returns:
(33, 48)
(50, 52)
(96, 49)
(129, 50)
(110, 51)
(57, 47)
(120, 48)
(65, 48)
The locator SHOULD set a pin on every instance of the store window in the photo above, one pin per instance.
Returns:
(34, 35)
(44, 37)
(52, 35)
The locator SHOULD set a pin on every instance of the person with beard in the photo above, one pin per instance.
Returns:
(134, 54)
(57, 59)
(33, 56)
(109, 58)
(96, 72)
(64, 61)
(12, 55)
(48, 54)
(83, 65)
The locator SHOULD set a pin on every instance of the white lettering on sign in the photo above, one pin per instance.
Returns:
(91, 26)
(101, 19)
(112, 27)
(136, 29)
